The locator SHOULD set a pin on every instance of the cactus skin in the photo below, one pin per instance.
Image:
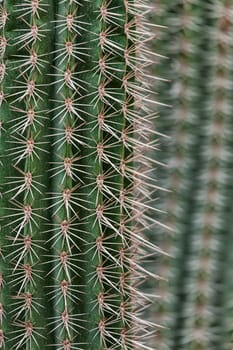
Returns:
(73, 206)
(24, 180)
(199, 314)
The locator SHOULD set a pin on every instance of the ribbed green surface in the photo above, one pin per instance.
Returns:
(198, 42)
(74, 164)
(180, 42)
(24, 181)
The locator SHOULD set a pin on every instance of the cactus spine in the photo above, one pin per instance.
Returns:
(72, 106)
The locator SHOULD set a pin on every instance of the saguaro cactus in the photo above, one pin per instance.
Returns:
(72, 174)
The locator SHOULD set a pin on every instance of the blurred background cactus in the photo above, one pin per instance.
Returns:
(195, 303)
(74, 174)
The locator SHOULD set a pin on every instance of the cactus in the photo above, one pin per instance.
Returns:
(74, 174)
(182, 29)
(195, 303)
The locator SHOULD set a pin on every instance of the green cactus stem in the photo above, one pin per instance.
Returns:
(182, 22)
(193, 303)
(23, 155)
(209, 211)
(72, 219)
